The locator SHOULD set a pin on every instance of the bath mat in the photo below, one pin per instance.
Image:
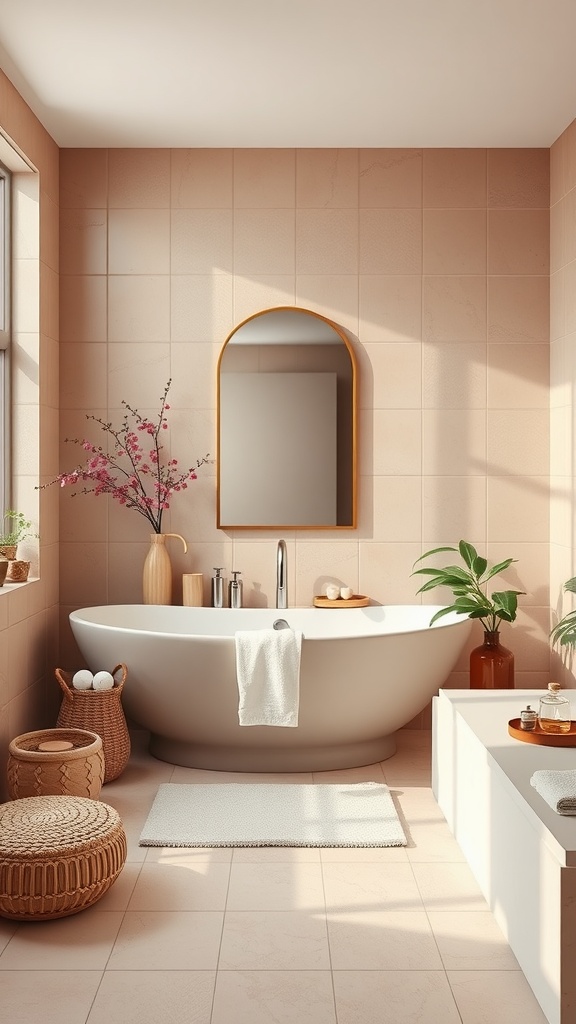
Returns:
(258, 814)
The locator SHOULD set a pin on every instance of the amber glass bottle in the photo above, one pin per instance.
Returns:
(491, 665)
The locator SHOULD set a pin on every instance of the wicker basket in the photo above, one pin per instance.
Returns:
(99, 711)
(58, 855)
(36, 767)
(17, 571)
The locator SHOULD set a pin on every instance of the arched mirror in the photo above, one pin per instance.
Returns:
(286, 447)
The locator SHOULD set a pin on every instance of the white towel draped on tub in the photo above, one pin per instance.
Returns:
(268, 674)
(557, 788)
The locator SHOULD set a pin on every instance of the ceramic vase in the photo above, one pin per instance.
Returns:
(491, 665)
(157, 575)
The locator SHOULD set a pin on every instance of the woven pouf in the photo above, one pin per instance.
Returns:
(58, 855)
(56, 762)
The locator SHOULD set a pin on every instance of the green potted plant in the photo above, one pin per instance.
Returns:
(16, 527)
(564, 632)
(491, 664)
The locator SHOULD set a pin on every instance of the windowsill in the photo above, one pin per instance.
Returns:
(7, 587)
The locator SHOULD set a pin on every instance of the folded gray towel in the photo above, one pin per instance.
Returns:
(557, 788)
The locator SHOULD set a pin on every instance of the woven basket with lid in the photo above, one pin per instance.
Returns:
(56, 761)
(98, 711)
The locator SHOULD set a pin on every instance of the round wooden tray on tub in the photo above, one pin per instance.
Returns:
(544, 739)
(356, 601)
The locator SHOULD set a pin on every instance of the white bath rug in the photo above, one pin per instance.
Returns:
(260, 814)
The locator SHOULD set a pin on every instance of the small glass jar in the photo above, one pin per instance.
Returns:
(554, 711)
(528, 719)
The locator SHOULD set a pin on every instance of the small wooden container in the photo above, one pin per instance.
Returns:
(53, 762)
(192, 590)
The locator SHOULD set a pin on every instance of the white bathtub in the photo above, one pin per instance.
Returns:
(365, 672)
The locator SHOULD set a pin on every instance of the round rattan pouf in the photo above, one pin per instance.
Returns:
(53, 762)
(58, 855)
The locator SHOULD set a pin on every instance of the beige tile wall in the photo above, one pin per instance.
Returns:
(436, 262)
(29, 614)
(563, 374)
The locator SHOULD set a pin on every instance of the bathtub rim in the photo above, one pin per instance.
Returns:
(453, 619)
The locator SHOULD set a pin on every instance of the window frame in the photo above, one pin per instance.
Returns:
(5, 332)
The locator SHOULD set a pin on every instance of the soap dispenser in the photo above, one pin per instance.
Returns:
(217, 589)
(235, 590)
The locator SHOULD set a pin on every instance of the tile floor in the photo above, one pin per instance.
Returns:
(274, 936)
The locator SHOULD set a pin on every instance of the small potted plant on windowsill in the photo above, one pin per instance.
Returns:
(15, 529)
(491, 664)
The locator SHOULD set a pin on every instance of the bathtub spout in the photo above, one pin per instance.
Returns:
(281, 576)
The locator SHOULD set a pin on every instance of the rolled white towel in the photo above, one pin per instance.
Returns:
(82, 680)
(103, 681)
(557, 788)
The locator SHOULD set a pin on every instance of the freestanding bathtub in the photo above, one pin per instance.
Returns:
(364, 673)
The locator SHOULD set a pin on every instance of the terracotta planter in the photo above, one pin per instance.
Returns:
(17, 571)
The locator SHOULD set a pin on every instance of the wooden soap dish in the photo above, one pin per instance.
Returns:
(356, 601)
(545, 739)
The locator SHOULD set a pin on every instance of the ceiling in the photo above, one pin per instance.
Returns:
(320, 73)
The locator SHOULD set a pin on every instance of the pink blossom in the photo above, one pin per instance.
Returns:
(123, 474)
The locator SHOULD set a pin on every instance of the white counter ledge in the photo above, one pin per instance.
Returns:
(522, 853)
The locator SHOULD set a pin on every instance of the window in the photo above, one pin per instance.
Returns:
(4, 331)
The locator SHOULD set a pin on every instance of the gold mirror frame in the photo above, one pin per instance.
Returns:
(351, 468)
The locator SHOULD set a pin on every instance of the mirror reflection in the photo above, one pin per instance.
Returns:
(286, 424)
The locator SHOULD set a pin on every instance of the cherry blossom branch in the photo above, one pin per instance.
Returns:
(128, 484)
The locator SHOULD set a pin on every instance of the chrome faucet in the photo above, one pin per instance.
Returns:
(281, 576)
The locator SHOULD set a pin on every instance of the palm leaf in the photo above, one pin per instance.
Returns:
(471, 601)
(443, 611)
(506, 604)
(429, 585)
(468, 553)
(565, 630)
(434, 551)
(498, 568)
(479, 566)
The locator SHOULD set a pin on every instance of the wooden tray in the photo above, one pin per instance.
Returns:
(356, 601)
(545, 739)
